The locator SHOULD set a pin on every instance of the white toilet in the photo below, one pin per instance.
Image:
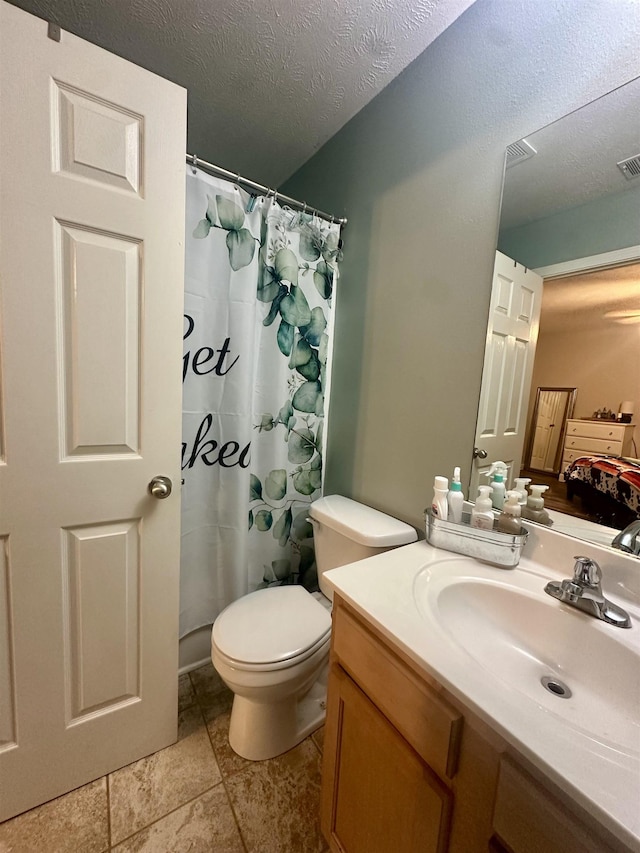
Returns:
(271, 647)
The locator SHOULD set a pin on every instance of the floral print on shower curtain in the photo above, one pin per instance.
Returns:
(260, 283)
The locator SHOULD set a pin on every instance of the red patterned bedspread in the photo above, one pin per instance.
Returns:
(616, 477)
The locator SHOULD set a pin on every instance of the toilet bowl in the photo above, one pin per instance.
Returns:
(271, 647)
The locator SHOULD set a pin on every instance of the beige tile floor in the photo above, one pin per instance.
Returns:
(196, 795)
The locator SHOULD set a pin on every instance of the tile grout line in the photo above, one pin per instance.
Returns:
(222, 776)
(193, 799)
(162, 817)
(108, 813)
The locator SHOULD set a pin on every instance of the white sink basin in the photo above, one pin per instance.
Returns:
(519, 636)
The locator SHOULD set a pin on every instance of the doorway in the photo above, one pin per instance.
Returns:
(546, 433)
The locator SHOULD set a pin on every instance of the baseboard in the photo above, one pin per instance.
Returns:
(191, 666)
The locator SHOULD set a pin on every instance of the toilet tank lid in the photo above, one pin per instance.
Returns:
(363, 524)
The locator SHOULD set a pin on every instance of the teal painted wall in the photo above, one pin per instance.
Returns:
(601, 226)
(419, 174)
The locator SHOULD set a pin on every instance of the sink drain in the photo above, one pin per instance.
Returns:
(555, 686)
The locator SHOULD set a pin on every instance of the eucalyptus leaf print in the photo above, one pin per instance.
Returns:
(282, 527)
(295, 308)
(295, 283)
(263, 519)
(323, 279)
(241, 244)
(286, 333)
(301, 446)
(286, 265)
(276, 484)
(313, 332)
(255, 488)
(231, 214)
(306, 397)
(258, 287)
(242, 247)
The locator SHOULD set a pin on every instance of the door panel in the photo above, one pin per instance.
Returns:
(91, 271)
(102, 563)
(512, 334)
(99, 304)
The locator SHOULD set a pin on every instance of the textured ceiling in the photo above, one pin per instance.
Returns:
(581, 301)
(576, 159)
(269, 81)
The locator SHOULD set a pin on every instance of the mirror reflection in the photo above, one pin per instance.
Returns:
(569, 260)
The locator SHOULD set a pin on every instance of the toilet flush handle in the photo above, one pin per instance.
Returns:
(160, 487)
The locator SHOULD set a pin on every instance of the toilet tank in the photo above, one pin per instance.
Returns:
(345, 531)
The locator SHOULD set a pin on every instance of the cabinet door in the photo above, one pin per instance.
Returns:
(378, 795)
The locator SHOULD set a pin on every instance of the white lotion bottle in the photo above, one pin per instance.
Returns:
(455, 499)
(482, 512)
(439, 506)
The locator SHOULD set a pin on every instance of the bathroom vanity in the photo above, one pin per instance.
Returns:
(433, 744)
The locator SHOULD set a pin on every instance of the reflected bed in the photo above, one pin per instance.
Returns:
(608, 486)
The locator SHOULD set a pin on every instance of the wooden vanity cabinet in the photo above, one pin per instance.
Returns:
(407, 770)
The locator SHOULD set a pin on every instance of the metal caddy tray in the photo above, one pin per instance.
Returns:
(491, 546)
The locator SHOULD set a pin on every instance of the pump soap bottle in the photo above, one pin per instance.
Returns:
(520, 486)
(482, 512)
(534, 510)
(509, 519)
(455, 498)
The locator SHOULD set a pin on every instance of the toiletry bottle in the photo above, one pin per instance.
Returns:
(497, 475)
(534, 510)
(509, 519)
(520, 486)
(482, 512)
(455, 498)
(439, 503)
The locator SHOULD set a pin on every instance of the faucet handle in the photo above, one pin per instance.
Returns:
(587, 572)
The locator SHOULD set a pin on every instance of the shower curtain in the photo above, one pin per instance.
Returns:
(259, 287)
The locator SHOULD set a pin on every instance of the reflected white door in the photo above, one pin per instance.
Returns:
(91, 270)
(512, 334)
(547, 428)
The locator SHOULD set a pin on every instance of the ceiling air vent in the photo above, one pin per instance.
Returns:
(519, 151)
(630, 167)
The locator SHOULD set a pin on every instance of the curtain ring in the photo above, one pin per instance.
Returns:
(304, 206)
(275, 196)
(238, 180)
(194, 163)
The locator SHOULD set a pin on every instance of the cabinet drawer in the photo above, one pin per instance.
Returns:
(424, 719)
(590, 429)
(593, 445)
(529, 819)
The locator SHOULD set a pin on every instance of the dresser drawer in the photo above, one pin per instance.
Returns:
(608, 447)
(429, 724)
(591, 429)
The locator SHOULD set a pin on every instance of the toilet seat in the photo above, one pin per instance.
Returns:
(271, 629)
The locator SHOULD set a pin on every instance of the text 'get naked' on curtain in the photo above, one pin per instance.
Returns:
(259, 289)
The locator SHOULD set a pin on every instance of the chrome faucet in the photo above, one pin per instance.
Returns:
(629, 539)
(584, 591)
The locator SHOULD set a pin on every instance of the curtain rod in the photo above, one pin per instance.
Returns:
(252, 185)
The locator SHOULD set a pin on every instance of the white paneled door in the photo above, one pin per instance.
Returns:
(512, 335)
(91, 271)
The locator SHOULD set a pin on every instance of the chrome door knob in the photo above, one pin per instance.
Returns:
(160, 487)
(479, 454)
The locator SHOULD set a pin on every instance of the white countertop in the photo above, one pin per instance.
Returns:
(597, 774)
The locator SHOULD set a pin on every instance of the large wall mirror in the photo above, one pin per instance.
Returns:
(571, 213)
